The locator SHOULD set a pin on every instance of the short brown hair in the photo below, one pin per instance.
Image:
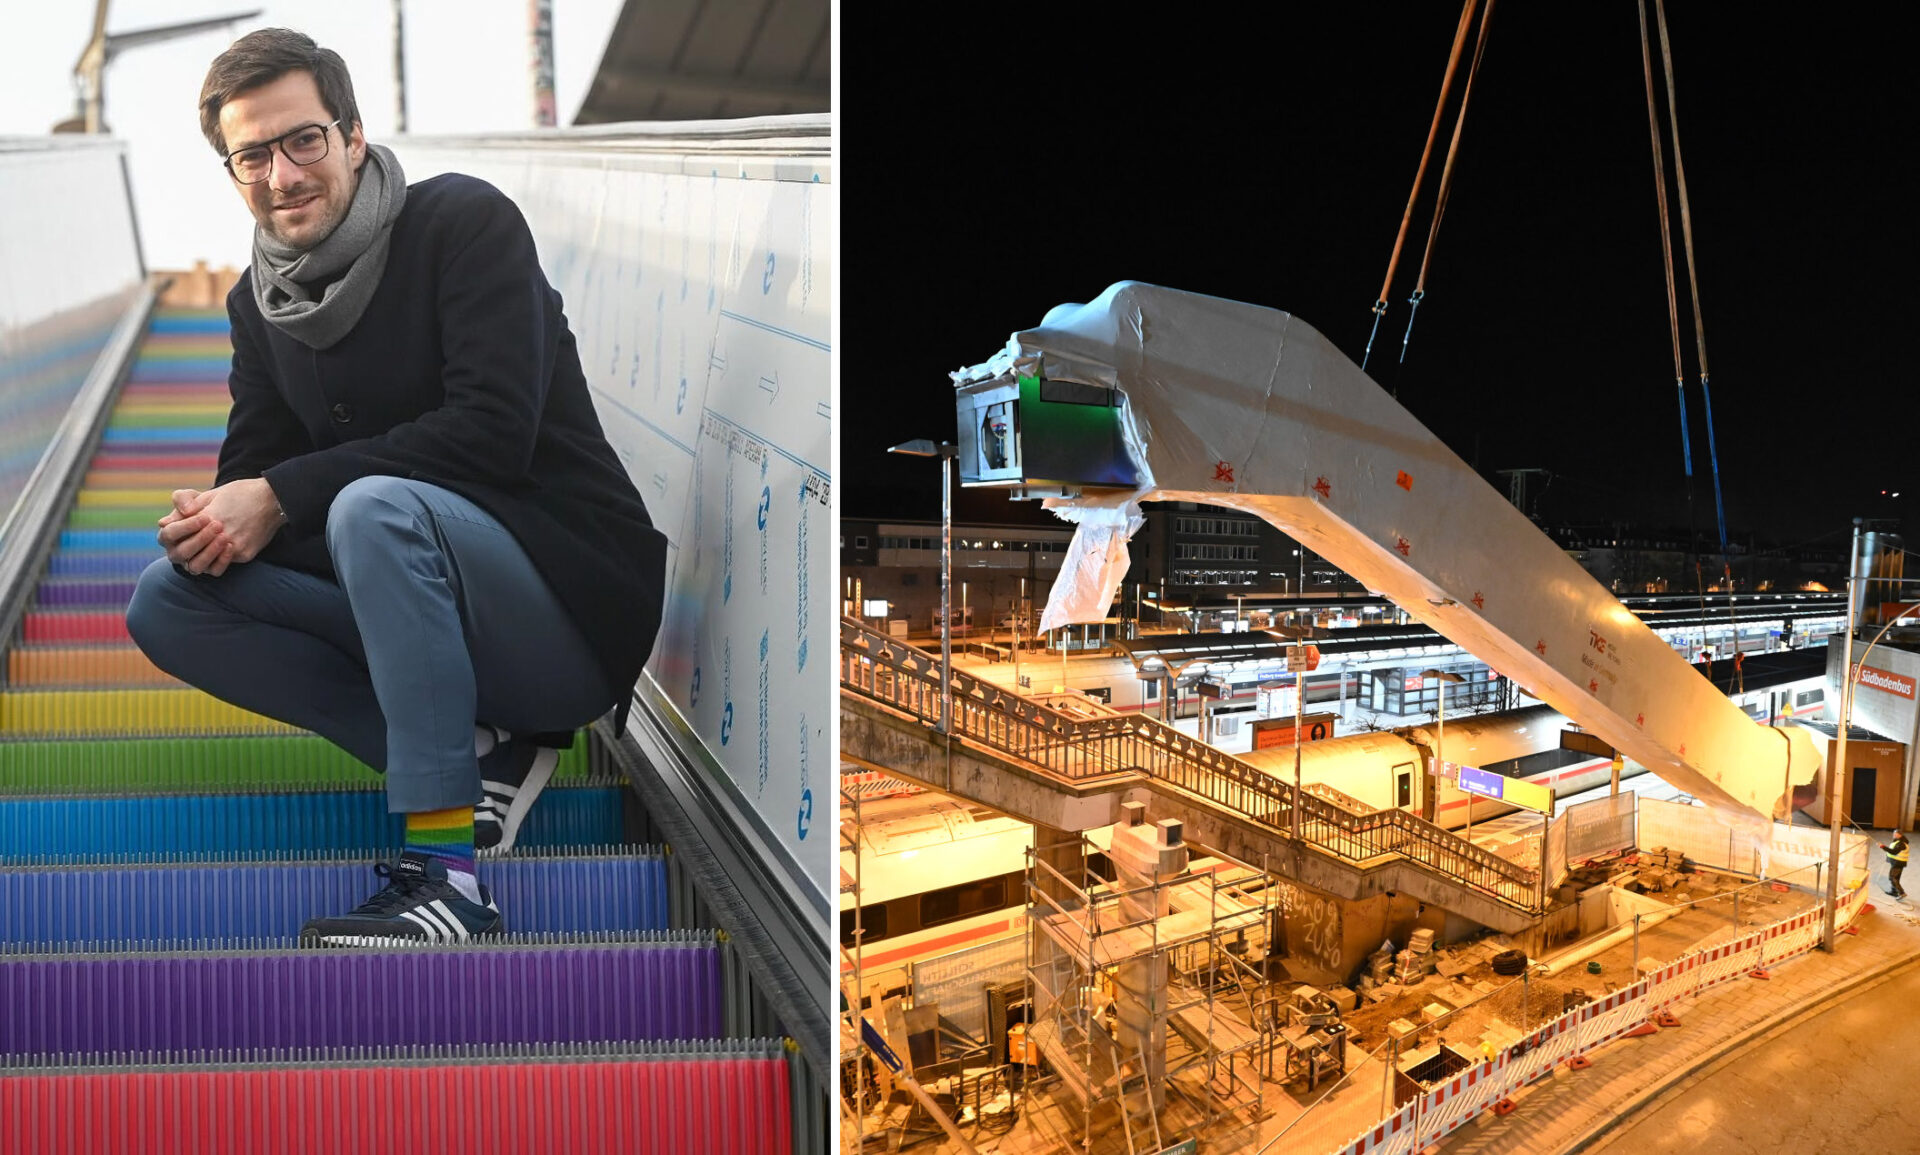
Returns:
(264, 56)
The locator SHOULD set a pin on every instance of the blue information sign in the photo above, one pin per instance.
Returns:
(1481, 782)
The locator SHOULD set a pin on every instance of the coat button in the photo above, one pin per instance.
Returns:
(343, 413)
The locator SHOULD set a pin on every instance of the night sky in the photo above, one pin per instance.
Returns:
(1000, 165)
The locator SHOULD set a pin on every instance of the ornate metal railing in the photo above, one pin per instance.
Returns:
(907, 678)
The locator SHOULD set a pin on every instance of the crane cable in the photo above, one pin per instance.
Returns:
(1666, 241)
(1446, 179)
(1420, 175)
(1673, 319)
(1699, 321)
(1700, 342)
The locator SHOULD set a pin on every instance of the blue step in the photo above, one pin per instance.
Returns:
(334, 821)
(173, 906)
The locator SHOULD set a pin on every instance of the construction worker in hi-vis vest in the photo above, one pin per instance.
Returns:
(1896, 862)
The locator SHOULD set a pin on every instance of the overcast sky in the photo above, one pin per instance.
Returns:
(467, 71)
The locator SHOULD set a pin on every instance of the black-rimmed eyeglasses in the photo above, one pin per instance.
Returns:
(303, 146)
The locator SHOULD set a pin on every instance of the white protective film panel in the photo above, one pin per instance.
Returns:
(69, 265)
(696, 272)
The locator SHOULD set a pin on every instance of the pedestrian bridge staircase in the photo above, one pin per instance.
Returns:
(1017, 755)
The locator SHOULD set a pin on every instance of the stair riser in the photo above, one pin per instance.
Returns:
(350, 998)
(179, 905)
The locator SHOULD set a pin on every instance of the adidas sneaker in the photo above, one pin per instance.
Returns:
(512, 775)
(417, 903)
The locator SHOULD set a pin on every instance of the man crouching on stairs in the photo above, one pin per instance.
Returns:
(419, 544)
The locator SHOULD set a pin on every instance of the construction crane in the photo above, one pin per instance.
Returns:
(90, 72)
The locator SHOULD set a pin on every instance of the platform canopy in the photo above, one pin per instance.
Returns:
(712, 60)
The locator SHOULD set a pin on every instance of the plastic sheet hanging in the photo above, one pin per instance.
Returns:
(1095, 564)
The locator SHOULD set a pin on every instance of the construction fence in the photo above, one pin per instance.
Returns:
(1439, 1112)
(1584, 830)
(1601, 826)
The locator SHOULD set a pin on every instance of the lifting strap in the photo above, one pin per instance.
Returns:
(1420, 175)
(1693, 277)
(1446, 179)
(1666, 241)
(1673, 311)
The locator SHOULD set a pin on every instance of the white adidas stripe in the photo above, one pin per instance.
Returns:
(437, 918)
(458, 928)
(433, 929)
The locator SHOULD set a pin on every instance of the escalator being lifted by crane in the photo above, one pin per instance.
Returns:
(1155, 394)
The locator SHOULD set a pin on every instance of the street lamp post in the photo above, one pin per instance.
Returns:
(1298, 660)
(1838, 766)
(1849, 685)
(1019, 612)
(1299, 720)
(1440, 743)
(921, 447)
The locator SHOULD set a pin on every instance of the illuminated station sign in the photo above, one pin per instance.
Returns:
(1517, 791)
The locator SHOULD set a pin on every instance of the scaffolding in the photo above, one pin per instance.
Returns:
(854, 1088)
(1190, 975)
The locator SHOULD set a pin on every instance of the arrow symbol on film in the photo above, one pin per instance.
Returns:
(771, 385)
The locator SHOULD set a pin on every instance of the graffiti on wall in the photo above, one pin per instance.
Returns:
(1313, 925)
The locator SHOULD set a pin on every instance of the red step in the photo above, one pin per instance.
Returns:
(661, 1107)
(114, 459)
(42, 628)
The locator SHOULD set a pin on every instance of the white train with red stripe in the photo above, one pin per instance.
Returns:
(938, 875)
(1383, 769)
(1536, 744)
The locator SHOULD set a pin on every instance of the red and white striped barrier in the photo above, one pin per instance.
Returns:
(1393, 1135)
(1444, 1109)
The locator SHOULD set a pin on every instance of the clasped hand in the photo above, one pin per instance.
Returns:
(209, 530)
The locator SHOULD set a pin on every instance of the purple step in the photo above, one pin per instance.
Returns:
(661, 986)
(60, 593)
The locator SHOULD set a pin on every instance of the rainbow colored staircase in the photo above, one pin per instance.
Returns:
(159, 850)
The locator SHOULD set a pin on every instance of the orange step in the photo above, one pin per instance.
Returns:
(89, 666)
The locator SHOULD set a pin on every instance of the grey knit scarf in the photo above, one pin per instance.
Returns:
(358, 245)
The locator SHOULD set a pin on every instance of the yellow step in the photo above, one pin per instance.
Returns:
(157, 499)
(120, 713)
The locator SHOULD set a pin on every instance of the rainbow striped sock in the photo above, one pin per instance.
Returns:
(444, 834)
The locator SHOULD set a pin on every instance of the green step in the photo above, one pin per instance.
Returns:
(202, 765)
(109, 518)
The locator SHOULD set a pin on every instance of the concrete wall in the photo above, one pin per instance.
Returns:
(1326, 939)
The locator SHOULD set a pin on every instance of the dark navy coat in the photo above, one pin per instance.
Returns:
(461, 372)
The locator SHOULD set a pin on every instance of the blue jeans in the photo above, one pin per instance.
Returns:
(439, 621)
